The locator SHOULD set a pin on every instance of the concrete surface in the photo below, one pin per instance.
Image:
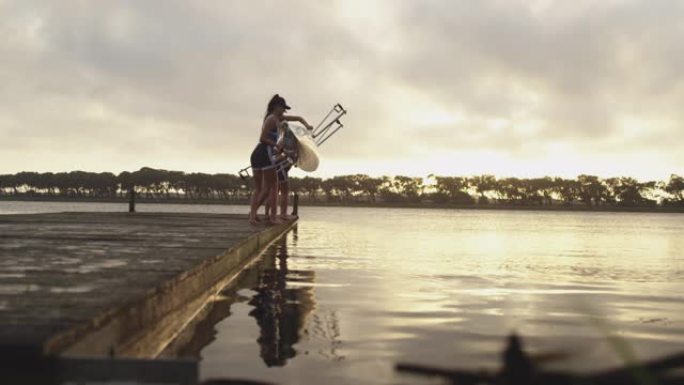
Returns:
(98, 284)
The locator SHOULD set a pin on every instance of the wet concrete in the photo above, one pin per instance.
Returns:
(99, 283)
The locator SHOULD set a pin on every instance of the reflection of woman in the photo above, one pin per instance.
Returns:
(265, 155)
(280, 311)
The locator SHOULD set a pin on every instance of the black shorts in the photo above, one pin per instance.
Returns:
(262, 157)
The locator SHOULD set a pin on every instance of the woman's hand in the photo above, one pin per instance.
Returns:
(292, 118)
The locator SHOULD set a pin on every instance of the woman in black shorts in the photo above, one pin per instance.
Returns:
(265, 155)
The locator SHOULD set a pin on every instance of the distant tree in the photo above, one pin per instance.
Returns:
(675, 188)
(27, 181)
(176, 182)
(409, 188)
(451, 189)
(7, 183)
(103, 185)
(153, 182)
(80, 183)
(126, 183)
(452, 186)
(541, 190)
(649, 191)
(311, 186)
(163, 184)
(388, 190)
(483, 184)
(370, 186)
(509, 189)
(45, 183)
(343, 186)
(328, 188)
(354, 187)
(591, 189)
(567, 189)
(226, 185)
(628, 191)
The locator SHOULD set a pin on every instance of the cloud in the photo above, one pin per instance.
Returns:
(175, 84)
(576, 70)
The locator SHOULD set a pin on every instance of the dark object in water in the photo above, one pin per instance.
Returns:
(131, 199)
(295, 205)
(519, 369)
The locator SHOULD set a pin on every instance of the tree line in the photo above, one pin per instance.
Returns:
(154, 184)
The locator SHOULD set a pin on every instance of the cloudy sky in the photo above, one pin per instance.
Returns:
(508, 87)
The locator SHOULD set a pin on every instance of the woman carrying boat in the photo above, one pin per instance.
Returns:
(289, 143)
(265, 155)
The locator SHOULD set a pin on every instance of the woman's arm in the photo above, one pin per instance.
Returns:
(292, 118)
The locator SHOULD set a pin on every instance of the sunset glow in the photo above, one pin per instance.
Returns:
(512, 88)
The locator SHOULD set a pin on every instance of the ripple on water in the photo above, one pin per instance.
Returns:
(92, 267)
(151, 261)
(17, 289)
(72, 289)
(19, 274)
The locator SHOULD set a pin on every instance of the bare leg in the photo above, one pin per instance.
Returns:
(271, 191)
(272, 211)
(284, 192)
(258, 190)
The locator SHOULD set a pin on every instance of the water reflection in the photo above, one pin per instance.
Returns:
(282, 302)
(280, 309)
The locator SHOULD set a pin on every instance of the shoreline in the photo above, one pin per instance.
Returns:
(430, 205)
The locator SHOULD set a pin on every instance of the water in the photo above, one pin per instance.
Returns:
(355, 291)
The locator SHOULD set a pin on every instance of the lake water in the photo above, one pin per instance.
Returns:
(354, 291)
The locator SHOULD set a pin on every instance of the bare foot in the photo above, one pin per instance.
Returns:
(287, 217)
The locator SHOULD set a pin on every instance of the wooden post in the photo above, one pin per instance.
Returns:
(295, 204)
(131, 199)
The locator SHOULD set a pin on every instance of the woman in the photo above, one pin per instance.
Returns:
(289, 144)
(265, 155)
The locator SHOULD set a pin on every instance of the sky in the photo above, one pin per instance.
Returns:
(452, 87)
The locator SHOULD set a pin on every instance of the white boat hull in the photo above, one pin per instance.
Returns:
(308, 158)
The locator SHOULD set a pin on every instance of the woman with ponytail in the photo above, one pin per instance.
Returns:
(265, 156)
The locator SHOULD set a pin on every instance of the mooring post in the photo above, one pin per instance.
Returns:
(131, 199)
(295, 204)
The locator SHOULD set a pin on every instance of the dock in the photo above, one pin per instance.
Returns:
(114, 284)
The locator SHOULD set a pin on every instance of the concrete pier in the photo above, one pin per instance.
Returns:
(114, 284)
